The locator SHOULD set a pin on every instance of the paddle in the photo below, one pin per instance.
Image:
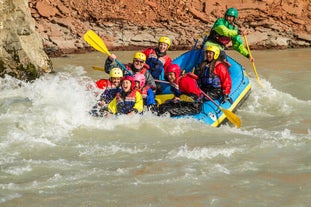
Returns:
(233, 118)
(98, 44)
(253, 64)
(98, 68)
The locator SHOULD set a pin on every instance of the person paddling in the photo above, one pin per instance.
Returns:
(225, 31)
(138, 65)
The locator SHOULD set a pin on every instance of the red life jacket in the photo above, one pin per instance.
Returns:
(144, 91)
(104, 84)
(142, 71)
(188, 84)
(151, 53)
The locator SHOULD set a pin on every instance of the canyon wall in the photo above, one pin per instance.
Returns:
(21, 47)
(134, 24)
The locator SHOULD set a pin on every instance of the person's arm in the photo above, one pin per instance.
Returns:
(150, 100)
(147, 52)
(109, 64)
(225, 31)
(150, 80)
(237, 44)
(222, 72)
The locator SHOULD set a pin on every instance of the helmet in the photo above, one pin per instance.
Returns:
(166, 40)
(214, 49)
(173, 68)
(232, 12)
(140, 55)
(115, 73)
(140, 78)
(129, 78)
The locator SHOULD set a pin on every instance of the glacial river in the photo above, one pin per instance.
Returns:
(52, 153)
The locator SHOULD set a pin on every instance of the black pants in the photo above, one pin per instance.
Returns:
(180, 108)
(214, 93)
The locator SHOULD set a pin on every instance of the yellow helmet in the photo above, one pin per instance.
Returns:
(140, 55)
(165, 40)
(115, 73)
(214, 49)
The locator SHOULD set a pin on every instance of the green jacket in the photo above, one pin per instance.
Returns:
(222, 33)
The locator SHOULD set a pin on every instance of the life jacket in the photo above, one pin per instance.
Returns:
(217, 38)
(125, 102)
(104, 83)
(188, 85)
(157, 63)
(208, 77)
(130, 67)
(144, 91)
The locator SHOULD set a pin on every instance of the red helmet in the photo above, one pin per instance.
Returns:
(173, 68)
(140, 78)
(129, 78)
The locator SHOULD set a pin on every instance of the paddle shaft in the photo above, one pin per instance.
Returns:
(233, 118)
(253, 63)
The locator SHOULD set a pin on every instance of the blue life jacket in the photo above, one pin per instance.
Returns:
(208, 78)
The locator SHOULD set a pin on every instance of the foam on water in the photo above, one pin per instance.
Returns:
(54, 105)
(203, 152)
(47, 130)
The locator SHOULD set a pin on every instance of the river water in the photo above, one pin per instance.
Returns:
(52, 153)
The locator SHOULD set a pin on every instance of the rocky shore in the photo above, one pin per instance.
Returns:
(134, 24)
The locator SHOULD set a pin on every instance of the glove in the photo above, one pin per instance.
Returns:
(226, 98)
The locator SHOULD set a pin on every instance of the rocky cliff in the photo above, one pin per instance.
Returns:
(21, 47)
(128, 24)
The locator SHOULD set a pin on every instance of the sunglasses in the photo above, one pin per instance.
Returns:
(139, 61)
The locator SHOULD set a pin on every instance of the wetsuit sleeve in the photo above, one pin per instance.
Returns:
(150, 80)
(139, 103)
(175, 89)
(109, 65)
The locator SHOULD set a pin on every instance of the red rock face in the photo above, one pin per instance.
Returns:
(128, 24)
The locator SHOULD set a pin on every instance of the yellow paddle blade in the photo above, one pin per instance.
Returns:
(234, 119)
(96, 42)
(98, 68)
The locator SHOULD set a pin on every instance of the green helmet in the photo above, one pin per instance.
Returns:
(232, 12)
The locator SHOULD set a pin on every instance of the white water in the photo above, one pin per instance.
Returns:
(52, 153)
